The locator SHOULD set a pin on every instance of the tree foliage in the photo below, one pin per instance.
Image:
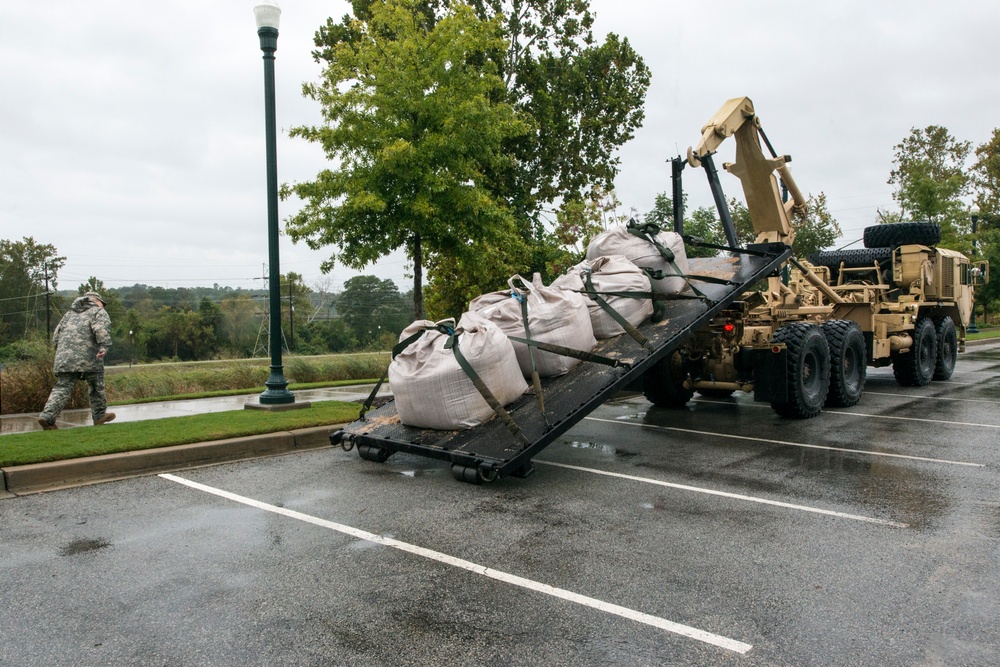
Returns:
(415, 120)
(930, 178)
(572, 101)
(23, 268)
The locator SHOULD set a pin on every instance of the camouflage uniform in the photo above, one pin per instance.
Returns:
(83, 333)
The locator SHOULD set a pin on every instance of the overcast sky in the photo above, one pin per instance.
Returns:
(132, 133)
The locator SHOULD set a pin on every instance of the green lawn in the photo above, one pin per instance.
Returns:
(41, 446)
(984, 332)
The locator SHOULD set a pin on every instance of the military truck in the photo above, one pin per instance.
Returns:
(805, 339)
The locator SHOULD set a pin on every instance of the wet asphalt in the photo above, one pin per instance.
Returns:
(716, 535)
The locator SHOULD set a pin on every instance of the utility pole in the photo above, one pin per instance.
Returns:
(48, 309)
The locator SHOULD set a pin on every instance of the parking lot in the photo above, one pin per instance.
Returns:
(716, 535)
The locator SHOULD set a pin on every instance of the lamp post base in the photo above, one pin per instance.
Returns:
(277, 407)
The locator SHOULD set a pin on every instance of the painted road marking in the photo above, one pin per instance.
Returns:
(514, 580)
(791, 444)
(934, 398)
(863, 414)
(726, 494)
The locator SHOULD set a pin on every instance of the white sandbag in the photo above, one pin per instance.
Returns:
(610, 274)
(432, 391)
(555, 316)
(643, 253)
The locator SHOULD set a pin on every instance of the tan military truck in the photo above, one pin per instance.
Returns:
(806, 339)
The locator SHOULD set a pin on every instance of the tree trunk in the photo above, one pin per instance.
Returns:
(418, 277)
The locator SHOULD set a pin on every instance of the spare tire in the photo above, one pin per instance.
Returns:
(852, 259)
(902, 233)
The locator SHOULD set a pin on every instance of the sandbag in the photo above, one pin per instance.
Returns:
(642, 252)
(614, 273)
(430, 388)
(555, 316)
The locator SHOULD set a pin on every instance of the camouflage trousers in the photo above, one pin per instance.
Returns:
(61, 393)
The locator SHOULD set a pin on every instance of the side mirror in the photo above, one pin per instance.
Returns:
(980, 272)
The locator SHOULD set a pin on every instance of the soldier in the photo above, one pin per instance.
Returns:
(81, 339)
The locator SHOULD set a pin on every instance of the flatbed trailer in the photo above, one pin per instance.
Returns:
(494, 449)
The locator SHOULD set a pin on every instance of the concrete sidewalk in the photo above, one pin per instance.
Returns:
(144, 411)
(40, 477)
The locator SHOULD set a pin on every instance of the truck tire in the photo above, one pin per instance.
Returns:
(915, 368)
(947, 348)
(663, 384)
(848, 363)
(808, 371)
(852, 259)
(902, 233)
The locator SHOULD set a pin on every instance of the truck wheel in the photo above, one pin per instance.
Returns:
(916, 367)
(663, 384)
(808, 371)
(848, 363)
(947, 351)
(902, 233)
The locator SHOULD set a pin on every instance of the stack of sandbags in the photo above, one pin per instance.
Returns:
(432, 390)
(608, 275)
(646, 246)
(555, 316)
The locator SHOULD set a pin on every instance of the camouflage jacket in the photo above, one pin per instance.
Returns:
(83, 331)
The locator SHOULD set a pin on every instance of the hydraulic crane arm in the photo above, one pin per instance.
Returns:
(770, 215)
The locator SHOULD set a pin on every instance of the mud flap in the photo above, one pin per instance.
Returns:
(770, 384)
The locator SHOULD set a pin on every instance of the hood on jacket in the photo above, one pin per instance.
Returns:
(83, 303)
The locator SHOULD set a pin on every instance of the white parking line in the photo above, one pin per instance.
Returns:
(862, 414)
(790, 444)
(726, 494)
(624, 612)
(932, 398)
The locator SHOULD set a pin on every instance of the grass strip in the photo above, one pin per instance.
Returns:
(984, 333)
(71, 443)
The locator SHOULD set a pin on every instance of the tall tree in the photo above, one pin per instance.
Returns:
(371, 306)
(24, 265)
(701, 222)
(986, 179)
(414, 122)
(930, 179)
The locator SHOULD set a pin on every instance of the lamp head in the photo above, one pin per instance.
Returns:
(268, 14)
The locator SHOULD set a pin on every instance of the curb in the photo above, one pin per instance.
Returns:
(51, 476)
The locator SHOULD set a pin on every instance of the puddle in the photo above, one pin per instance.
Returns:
(604, 449)
(83, 546)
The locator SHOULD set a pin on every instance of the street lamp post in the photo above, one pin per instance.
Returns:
(975, 252)
(268, 14)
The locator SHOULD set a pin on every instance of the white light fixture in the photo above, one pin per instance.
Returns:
(268, 14)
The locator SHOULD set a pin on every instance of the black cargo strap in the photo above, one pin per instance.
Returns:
(522, 297)
(484, 391)
(618, 317)
(442, 327)
(571, 352)
(648, 232)
(695, 240)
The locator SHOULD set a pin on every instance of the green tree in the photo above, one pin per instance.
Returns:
(241, 323)
(24, 265)
(371, 306)
(816, 229)
(930, 178)
(414, 122)
(702, 223)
